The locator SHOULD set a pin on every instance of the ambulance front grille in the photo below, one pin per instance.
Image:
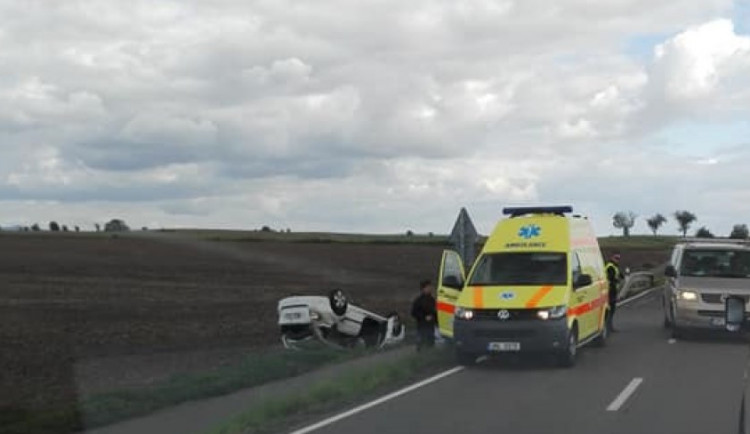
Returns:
(515, 314)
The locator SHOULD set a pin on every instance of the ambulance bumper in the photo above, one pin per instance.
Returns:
(525, 336)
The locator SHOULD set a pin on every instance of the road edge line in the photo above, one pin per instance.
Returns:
(626, 393)
(378, 401)
(629, 300)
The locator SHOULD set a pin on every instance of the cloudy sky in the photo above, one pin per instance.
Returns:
(372, 115)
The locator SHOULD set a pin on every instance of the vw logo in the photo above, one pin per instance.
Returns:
(503, 314)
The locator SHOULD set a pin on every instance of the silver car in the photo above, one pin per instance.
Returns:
(700, 277)
(334, 321)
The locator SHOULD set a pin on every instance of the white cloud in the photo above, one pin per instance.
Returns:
(159, 129)
(694, 63)
(371, 115)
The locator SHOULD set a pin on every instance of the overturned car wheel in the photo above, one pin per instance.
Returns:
(338, 301)
(396, 326)
(294, 335)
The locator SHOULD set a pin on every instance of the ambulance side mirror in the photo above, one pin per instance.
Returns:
(583, 280)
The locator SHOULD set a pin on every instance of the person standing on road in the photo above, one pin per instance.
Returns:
(424, 312)
(614, 276)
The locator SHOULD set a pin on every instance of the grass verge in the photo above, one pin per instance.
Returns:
(642, 242)
(308, 237)
(110, 407)
(326, 395)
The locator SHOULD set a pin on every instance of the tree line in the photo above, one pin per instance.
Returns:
(625, 220)
(114, 225)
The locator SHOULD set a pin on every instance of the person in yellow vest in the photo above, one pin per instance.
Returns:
(614, 276)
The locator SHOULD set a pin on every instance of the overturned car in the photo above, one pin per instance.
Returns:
(334, 321)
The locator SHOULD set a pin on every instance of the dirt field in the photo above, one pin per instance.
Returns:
(86, 313)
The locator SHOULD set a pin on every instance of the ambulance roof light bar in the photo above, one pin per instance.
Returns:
(520, 211)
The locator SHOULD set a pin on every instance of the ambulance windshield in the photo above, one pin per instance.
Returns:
(521, 269)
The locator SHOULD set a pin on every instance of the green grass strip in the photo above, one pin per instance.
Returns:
(351, 385)
(110, 407)
(640, 242)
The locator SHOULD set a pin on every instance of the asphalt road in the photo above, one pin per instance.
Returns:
(692, 386)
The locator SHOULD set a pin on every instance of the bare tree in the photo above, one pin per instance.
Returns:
(624, 220)
(655, 222)
(684, 219)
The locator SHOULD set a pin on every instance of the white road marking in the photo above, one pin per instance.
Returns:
(636, 297)
(363, 407)
(671, 341)
(625, 394)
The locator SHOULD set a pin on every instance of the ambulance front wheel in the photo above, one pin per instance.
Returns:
(601, 340)
(566, 358)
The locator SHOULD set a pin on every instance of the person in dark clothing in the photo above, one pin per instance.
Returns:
(614, 277)
(424, 312)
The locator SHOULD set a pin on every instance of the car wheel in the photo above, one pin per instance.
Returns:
(338, 302)
(397, 327)
(567, 357)
(465, 359)
(601, 340)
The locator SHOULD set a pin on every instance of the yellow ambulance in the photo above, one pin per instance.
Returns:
(539, 285)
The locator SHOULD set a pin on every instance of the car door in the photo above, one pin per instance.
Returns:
(585, 295)
(450, 283)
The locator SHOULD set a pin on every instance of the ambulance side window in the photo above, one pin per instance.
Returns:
(452, 273)
(575, 267)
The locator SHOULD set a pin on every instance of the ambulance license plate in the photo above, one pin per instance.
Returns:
(719, 322)
(504, 346)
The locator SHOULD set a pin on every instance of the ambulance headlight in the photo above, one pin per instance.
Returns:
(465, 314)
(315, 316)
(552, 313)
